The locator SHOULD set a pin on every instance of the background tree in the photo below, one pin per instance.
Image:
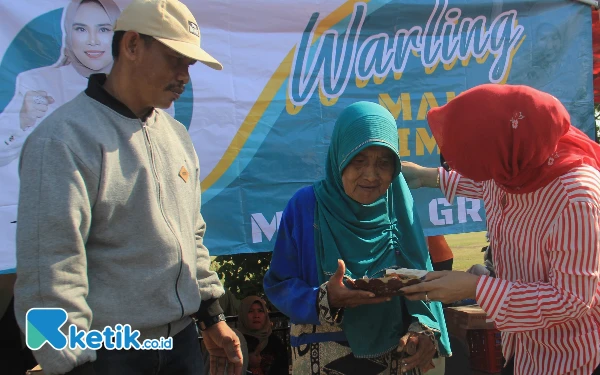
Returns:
(243, 274)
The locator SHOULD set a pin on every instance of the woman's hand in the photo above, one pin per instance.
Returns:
(35, 106)
(417, 176)
(444, 286)
(419, 349)
(338, 295)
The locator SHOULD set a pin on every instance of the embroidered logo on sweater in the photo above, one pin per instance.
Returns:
(184, 174)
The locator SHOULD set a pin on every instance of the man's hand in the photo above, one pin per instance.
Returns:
(444, 286)
(417, 176)
(223, 345)
(419, 350)
(338, 295)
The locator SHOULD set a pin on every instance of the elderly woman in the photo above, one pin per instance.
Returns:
(357, 222)
(515, 148)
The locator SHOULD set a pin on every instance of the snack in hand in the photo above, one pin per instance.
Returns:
(390, 284)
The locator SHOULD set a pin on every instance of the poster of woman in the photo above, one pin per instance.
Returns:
(87, 30)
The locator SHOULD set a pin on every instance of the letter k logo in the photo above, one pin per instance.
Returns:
(43, 325)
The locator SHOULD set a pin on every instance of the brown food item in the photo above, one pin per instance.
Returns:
(386, 286)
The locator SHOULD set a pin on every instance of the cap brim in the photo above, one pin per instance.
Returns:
(192, 51)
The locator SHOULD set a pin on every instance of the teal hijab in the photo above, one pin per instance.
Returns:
(372, 237)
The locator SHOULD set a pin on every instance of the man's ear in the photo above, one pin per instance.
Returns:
(131, 45)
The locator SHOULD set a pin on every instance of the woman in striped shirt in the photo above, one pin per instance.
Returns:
(515, 148)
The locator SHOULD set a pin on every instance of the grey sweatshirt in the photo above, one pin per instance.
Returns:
(109, 225)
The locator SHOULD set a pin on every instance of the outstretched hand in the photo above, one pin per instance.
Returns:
(338, 295)
(444, 286)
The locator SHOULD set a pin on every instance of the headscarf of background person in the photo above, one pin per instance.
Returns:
(245, 325)
(371, 237)
(517, 136)
(70, 55)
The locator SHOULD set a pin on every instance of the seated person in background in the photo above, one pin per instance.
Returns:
(267, 354)
(440, 253)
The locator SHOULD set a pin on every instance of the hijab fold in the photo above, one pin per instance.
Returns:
(371, 237)
(517, 136)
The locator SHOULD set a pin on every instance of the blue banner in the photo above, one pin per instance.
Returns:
(409, 56)
(262, 126)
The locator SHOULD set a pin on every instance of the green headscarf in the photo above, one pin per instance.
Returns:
(370, 238)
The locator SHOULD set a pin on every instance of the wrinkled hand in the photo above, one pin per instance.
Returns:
(419, 350)
(338, 295)
(417, 176)
(444, 286)
(223, 345)
(35, 106)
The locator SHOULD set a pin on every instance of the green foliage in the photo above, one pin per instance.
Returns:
(243, 274)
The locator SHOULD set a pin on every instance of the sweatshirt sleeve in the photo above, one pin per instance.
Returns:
(57, 193)
(208, 281)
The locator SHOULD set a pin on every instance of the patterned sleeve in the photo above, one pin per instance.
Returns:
(328, 315)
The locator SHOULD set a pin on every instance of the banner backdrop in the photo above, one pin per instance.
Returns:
(262, 126)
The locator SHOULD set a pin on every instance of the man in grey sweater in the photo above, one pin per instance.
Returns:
(109, 226)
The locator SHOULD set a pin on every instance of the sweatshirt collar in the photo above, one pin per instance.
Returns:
(96, 91)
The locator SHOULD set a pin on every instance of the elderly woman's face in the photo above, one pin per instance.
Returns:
(91, 36)
(256, 316)
(369, 174)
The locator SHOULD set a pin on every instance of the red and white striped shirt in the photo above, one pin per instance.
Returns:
(546, 250)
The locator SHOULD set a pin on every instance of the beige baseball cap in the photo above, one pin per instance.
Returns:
(171, 23)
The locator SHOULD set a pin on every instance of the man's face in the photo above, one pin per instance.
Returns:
(161, 75)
